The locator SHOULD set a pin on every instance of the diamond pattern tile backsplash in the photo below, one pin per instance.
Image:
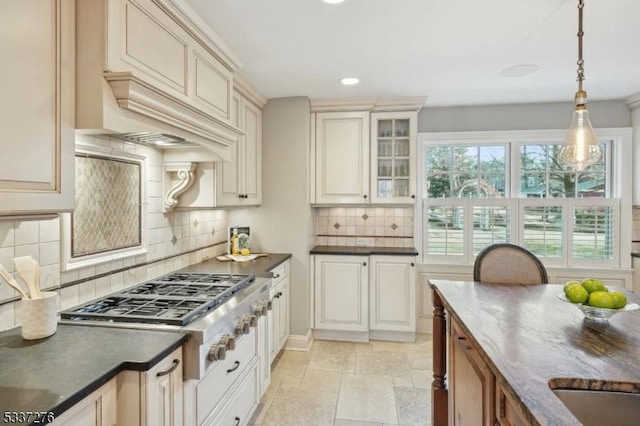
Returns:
(107, 211)
(370, 226)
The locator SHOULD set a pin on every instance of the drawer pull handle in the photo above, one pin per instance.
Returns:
(276, 275)
(237, 419)
(176, 363)
(234, 368)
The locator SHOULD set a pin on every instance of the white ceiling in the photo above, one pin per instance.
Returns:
(451, 51)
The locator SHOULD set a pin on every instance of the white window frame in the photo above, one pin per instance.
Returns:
(619, 189)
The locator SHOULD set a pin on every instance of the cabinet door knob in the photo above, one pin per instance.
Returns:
(413, 196)
(365, 196)
(364, 263)
(413, 264)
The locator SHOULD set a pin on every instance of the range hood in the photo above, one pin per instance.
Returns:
(150, 72)
(134, 111)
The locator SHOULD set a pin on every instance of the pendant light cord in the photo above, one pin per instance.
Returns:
(580, 34)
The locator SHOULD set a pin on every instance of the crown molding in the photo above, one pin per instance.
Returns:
(201, 31)
(413, 103)
(247, 90)
(633, 101)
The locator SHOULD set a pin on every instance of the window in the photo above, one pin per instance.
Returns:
(482, 189)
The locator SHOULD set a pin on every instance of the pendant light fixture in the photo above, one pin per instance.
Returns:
(581, 148)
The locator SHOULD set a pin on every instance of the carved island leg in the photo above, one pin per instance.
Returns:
(439, 399)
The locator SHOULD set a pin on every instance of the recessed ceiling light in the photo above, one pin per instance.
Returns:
(349, 81)
(333, 1)
(519, 70)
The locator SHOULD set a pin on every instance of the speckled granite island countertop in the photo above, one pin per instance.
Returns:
(364, 251)
(54, 373)
(532, 340)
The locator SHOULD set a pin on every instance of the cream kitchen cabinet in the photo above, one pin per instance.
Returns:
(392, 296)
(240, 402)
(238, 181)
(210, 399)
(152, 397)
(341, 293)
(97, 409)
(471, 383)
(37, 113)
(360, 297)
(363, 157)
(264, 356)
(278, 316)
(341, 157)
(393, 154)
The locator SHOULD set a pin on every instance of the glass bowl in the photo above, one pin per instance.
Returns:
(598, 314)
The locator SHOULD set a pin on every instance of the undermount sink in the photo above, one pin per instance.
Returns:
(597, 408)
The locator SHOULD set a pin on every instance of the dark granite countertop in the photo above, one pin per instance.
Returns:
(364, 251)
(54, 373)
(531, 339)
(259, 266)
(635, 254)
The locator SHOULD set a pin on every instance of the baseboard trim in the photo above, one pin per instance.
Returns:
(298, 342)
(348, 336)
(392, 336)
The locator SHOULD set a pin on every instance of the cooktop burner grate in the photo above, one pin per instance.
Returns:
(171, 299)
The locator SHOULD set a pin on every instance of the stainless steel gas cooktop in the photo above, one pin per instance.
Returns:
(174, 299)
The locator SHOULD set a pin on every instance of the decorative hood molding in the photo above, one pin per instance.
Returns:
(136, 95)
(180, 88)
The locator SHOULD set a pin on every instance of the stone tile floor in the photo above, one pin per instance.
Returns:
(350, 384)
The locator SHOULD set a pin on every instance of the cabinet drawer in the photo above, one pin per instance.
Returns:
(280, 272)
(241, 403)
(212, 388)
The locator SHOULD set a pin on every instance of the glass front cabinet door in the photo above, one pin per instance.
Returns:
(393, 149)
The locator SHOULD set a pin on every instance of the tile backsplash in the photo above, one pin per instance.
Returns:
(174, 240)
(374, 226)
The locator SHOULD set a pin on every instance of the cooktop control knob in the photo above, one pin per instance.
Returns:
(228, 341)
(242, 327)
(258, 309)
(217, 352)
(252, 320)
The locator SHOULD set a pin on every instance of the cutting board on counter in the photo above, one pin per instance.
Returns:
(238, 258)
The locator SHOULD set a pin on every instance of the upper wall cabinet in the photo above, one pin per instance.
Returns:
(364, 152)
(342, 157)
(393, 157)
(37, 47)
(156, 61)
(236, 182)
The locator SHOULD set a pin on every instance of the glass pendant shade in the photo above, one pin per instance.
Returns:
(581, 148)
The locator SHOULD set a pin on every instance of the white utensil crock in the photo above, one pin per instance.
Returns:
(40, 316)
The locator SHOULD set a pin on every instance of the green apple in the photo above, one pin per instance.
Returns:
(593, 284)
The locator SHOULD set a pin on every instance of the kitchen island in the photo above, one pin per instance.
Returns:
(527, 342)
